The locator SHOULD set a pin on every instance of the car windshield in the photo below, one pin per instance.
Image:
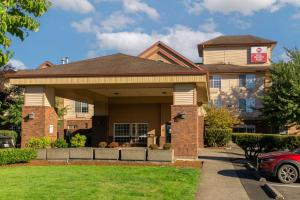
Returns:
(297, 151)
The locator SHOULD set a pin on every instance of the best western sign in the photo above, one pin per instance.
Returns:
(259, 54)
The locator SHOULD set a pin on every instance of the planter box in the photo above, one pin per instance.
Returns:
(82, 153)
(58, 154)
(41, 154)
(133, 154)
(161, 155)
(107, 153)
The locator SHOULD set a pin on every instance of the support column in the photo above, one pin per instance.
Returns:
(39, 115)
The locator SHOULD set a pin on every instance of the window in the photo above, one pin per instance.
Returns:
(131, 132)
(247, 81)
(216, 102)
(247, 105)
(244, 129)
(81, 107)
(215, 81)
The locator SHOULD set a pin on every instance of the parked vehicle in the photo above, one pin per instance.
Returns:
(285, 165)
(6, 142)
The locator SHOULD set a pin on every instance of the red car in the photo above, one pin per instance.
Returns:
(284, 165)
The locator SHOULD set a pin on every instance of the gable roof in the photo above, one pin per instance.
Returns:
(229, 68)
(112, 65)
(169, 53)
(235, 40)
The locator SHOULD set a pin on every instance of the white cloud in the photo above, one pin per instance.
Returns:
(116, 21)
(296, 15)
(85, 26)
(80, 6)
(181, 38)
(136, 6)
(209, 25)
(239, 23)
(193, 6)
(17, 64)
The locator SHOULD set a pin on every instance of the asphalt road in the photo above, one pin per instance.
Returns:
(289, 191)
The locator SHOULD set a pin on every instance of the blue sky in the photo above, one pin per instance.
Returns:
(83, 29)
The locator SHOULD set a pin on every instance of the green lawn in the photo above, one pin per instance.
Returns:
(97, 182)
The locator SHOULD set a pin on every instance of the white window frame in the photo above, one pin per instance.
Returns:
(134, 136)
(247, 80)
(84, 107)
(216, 81)
(250, 105)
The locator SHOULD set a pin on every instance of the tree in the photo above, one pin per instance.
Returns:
(220, 118)
(17, 18)
(281, 103)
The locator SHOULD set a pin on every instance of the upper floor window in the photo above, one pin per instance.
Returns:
(247, 105)
(215, 81)
(81, 107)
(247, 81)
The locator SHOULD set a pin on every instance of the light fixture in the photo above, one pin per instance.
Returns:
(31, 115)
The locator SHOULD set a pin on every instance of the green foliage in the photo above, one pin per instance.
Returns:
(153, 146)
(281, 105)
(220, 118)
(61, 111)
(60, 143)
(113, 145)
(39, 143)
(253, 143)
(78, 140)
(217, 137)
(11, 156)
(9, 133)
(102, 144)
(167, 146)
(13, 114)
(17, 18)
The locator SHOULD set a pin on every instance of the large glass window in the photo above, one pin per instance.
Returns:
(217, 102)
(81, 107)
(215, 81)
(247, 81)
(247, 105)
(131, 132)
(244, 129)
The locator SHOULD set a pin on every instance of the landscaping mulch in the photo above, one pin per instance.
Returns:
(178, 163)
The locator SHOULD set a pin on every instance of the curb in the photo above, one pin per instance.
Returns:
(275, 193)
(255, 173)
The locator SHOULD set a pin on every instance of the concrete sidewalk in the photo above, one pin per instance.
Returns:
(219, 179)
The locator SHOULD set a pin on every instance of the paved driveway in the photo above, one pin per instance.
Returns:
(289, 191)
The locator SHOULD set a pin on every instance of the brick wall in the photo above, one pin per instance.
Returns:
(200, 131)
(40, 125)
(185, 131)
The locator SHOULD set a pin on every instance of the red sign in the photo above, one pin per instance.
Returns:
(259, 55)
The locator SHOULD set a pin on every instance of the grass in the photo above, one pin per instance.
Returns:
(97, 182)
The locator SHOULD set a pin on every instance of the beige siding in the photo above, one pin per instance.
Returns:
(71, 114)
(39, 96)
(184, 94)
(230, 55)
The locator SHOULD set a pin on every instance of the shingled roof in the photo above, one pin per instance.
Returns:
(235, 40)
(229, 68)
(112, 65)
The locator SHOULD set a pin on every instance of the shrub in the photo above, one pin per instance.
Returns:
(102, 144)
(9, 133)
(217, 137)
(113, 145)
(153, 146)
(78, 140)
(167, 146)
(254, 143)
(39, 143)
(220, 118)
(11, 156)
(61, 143)
(126, 144)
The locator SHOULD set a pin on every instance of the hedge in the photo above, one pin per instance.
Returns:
(254, 143)
(11, 156)
(9, 133)
(39, 143)
(216, 137)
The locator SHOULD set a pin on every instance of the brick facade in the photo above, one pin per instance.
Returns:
(200, 132)
(39, 126)
(185, 131)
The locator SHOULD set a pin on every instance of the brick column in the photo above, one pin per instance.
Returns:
(39, 126)
(185, 131)
(200, 131)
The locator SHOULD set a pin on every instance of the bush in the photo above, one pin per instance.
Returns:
(153, 146)
(254, 143)
(221, 118)
(113, 145)
(9, 133)
(102, 144)
(78, 140)
(217, 137)
(61, 143)
(11, 156)
(39, 143)
(167, 146)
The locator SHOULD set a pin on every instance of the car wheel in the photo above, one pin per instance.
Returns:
(287, 174)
